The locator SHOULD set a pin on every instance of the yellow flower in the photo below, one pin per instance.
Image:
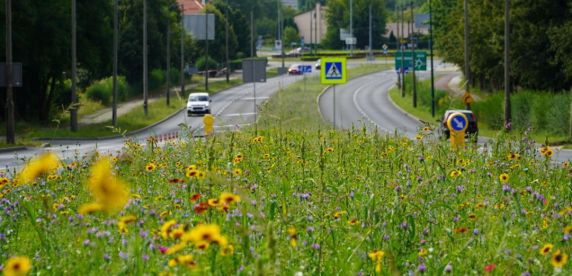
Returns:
(201, 175)
(559, 259)
(568, 229)
(329, 149)
(376, 255)
(353, 221)
(166, 228)
(89, 208)
(227, 250)
(504, 178)
(419, 137)
(213, 202)
(228, 198)
(455, 174)
(109, 191)
(17, 266)
(150, 167)
(205, 233)
(123, 221)
(258, 139)
(176, 248)
(192, 173)
(184, 260)
(339, 214)
(546, 249)
(237, 172)
(45, 163)
(423, 252)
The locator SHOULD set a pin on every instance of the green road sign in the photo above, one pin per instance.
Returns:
(420, 61)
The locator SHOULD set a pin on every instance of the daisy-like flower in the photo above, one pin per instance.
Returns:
(461, 230)
(167, 228)
(204, 234)
(504, 177)
(17, 266)
(237, 172)
(40, 165)
(227, 250)
(229, 198)
(329, 149)
(339, 214)
(192, 173)
(293, 234)
(238, 158)
(568, 229)
(546, 249)
(150, 167)
(108, 191)
(559, 259)
(258, 139)
(184, 260)
(213, 202)
(455, 174)
(123, 221)
(353, 221)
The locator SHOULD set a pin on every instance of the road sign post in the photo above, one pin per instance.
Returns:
(254, 70)
(304, 69)
(457, 124)
(333, 72)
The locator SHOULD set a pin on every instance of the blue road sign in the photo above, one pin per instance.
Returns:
(334, 71)
(458, 122)
(305, 68)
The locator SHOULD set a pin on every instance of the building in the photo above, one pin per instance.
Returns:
(312, 25)
(191, 6)
(291, 3)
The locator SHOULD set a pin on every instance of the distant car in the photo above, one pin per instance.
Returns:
(294, 70)
(318, 64)
(298, 51)
(198, 103)
(472, 131)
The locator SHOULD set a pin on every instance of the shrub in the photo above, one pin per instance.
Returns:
(102, 90)
(236, 64)
(156, 79)
(490, 111)
(201, 63)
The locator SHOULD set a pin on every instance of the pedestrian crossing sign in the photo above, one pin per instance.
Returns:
(333, 70)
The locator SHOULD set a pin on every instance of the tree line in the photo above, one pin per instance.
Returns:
(540, 38)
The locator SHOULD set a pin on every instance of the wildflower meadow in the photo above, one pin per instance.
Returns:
(281, 202)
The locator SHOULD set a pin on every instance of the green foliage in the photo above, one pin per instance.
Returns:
(156, 79)
(201, 63)
(539, 42)
(236, 64)
(290, 35)
(102, 90)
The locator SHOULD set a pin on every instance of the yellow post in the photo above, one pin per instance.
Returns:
(208, 121)
(457, 124)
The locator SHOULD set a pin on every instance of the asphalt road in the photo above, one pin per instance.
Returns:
(364, 101)
(233, 108)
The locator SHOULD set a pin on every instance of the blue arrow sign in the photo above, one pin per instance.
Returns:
(305, 68)
(458, 122)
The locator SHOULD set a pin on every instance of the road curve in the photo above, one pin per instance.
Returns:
(364, 101)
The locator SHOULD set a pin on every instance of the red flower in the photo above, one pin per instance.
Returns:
(490, 267)
(201, 207)
(195, 197)
(176, 180)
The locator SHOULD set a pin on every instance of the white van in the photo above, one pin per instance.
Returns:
(198, 103)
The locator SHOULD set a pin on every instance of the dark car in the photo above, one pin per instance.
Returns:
(472, 131)
(294, 70)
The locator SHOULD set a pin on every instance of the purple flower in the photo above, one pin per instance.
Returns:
(253, 202)
(529, 189)
(448, 268)
(351, 194)
(403, 225)
(566, 237)
(106, 257)
(143, 234)
(506, 188)
(123, 255)
(460, 188)
(475, 231)
(310, 229)
(526, 273)
(386, 237)
(456, 218)
(422, 268)
(86, 242)
(315, 246)
(145, 257)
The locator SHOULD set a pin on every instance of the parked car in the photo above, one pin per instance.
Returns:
(318, 64)
(472, 131)
(294, 70)
(198, 103)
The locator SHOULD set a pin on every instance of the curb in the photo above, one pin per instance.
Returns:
(12, 149)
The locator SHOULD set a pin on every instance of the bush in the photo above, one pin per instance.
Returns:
(491, 111)
(201, 63)
(235, 64)
(156, 79)
(102, 90)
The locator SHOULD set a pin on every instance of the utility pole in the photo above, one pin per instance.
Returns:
(145, 110)
(351, 27)
(467, 50)
(311, 30)
(251, 33)
(115, 50)
(403, 51)
(207, 48)
(74, 105)
(431, 53)
(182, 69)
(168, 58)
(413, 57)
(507, 111)
(226, 43)
(10, 121)
(398, 44)
(370, 34)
